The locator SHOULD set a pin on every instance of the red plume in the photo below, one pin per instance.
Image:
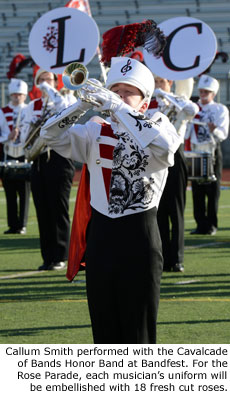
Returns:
(123, 39)
(13, 65)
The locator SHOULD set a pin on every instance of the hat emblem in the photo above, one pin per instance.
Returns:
(126, 67)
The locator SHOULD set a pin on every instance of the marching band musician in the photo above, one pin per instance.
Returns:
(17, 191)
(51, 178)
(209, 128)
(172, 204)
(127, 157)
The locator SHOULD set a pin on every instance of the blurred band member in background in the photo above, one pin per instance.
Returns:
(170, 214)
(51, 179)
(17, 191)
(206, 137)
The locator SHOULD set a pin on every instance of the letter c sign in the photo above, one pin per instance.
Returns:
(191, 48)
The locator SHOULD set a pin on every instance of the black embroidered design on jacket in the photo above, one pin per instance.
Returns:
(128, 188)
(68, 121)
(144, 122)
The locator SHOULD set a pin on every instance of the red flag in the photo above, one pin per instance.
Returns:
(35, 92)
(82, 215)
(187, 144)
(82, 5)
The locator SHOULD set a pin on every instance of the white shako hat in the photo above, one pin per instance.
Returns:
(17, 86)
(131, 71)
(208, 83)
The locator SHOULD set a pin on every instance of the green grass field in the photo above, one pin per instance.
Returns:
(45, 308)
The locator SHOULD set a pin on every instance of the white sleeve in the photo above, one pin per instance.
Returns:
(59, 101)
(191, 109)
(26, 122)
(60, 122)
(75, 142)
(188, 132)
(70, 99)
(4, 128)
(222, 123)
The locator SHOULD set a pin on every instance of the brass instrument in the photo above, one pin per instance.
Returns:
(75, 76)
(184, 88)
(34, 144)
(174, 103)
(173, 108)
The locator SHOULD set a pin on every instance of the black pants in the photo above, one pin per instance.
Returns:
(170, 214)
(123, 272)
(206, 197)
(17, 194)
(51, 185)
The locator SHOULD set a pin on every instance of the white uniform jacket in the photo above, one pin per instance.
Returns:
(36, 108)
(127, 161)
(198, 131)
(10, 117)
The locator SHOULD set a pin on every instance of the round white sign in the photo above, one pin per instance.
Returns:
(191, 48)
(62, 36)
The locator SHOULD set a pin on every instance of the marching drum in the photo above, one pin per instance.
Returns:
(200, 166)
(13, 170)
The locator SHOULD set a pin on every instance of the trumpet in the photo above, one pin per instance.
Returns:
(76, 76)
(173, 108)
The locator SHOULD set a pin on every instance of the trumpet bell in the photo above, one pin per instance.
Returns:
(75, 76)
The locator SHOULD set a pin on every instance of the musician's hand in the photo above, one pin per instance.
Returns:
(13, 134)
(107, 100)
(211, 126)
(45, 87)
(158, 92)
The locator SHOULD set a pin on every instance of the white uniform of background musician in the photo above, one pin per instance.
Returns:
(17, 189)
(205, 133)
(51, 178)
(170, 214)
